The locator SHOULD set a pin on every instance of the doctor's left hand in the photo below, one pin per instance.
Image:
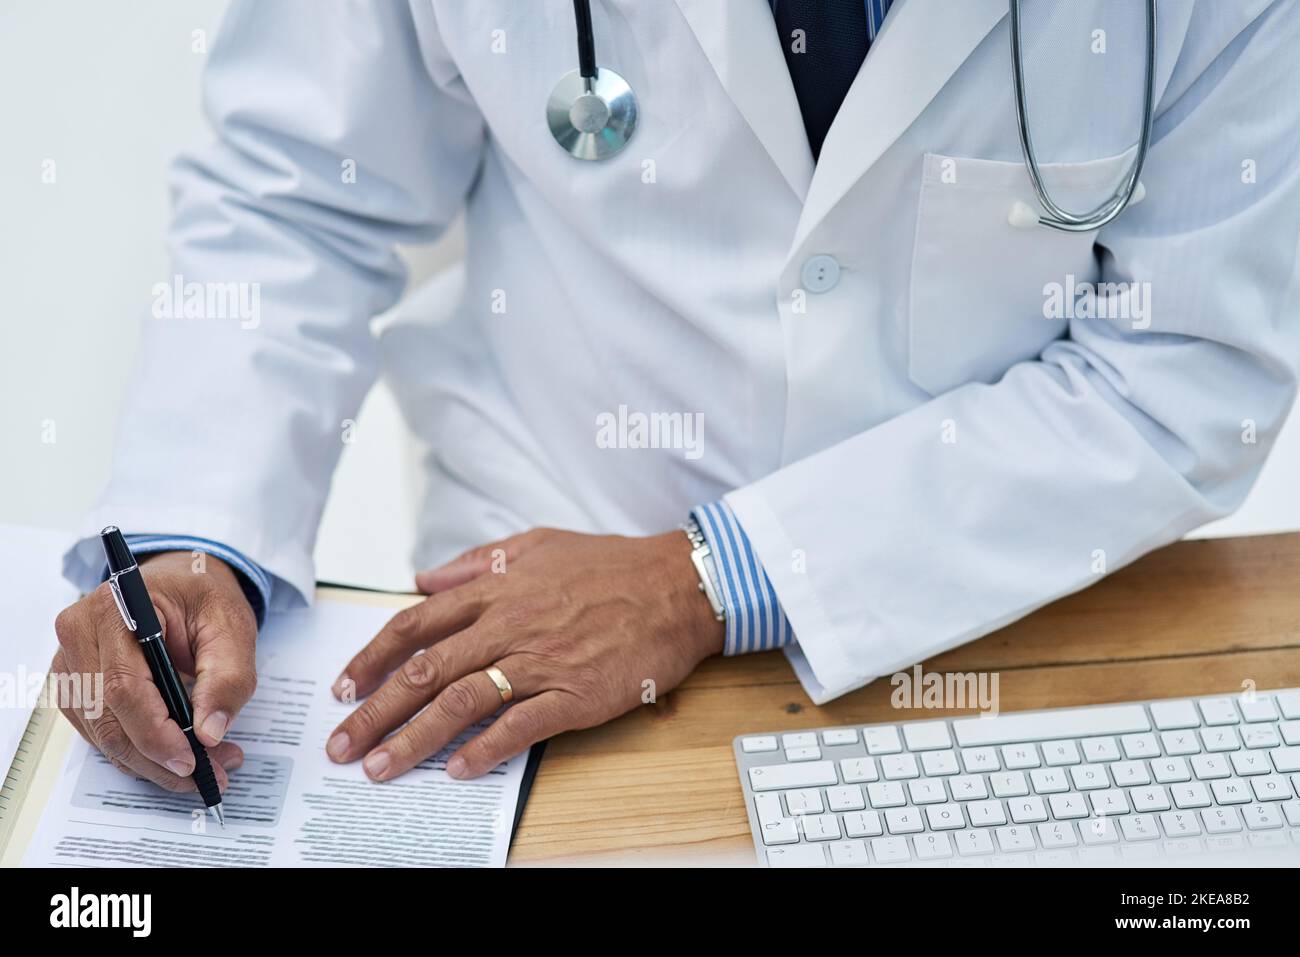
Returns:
(576, 624)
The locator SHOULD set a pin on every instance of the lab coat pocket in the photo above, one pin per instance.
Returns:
(979, 284)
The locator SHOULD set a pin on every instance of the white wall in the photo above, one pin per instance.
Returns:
(109, 92)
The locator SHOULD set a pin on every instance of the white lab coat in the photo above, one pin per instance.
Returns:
(917, 453)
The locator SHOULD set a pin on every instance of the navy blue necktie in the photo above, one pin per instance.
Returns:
(823, 57)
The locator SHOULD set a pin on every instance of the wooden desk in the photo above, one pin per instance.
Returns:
(659, 784)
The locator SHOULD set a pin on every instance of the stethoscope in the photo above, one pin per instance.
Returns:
(592, 114)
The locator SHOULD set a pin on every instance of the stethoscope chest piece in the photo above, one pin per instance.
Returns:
(592, 117)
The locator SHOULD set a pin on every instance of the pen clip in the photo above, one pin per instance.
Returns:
(121, 604)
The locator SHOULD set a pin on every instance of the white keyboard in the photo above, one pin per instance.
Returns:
(1147, 782)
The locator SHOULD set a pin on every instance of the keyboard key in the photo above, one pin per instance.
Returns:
(1067, 807)
(804, 801)
(1066, 723)
(976, 760)
(768, 807)
(1049, 780)
(1292, 811)
(1138, 827)
(1247, 763)
(1218, 711)
(1130, 773)
(1260, 736)
(1171, 770)
(1018, 757)
(862, 824)
(839, 736)
(797, 855)
(1221, 820)
(1027, 810)
(1089, 777)
(897, 767)
(1190, 795)
(931, 847)
(1060, 753)
(1180, 823)
(986, 813)
(1271, 787)
(938, 763)
(890, 850)
(968, 787)
(1262, 817)
(761, 742)
(927, 736)
(1288, 702)
(782, 831)
(1113, 801)
(1290, 731)
(945, 817)
(1258, 707)
(820, 827)
(1009, 784)
(1011, 839)
(1286, 760)
(801, 739)
(1180, 742)
(858, 770)
(882, 740)
(848, 797)
(1218, 740)
(886, 794)
(1098, 830)
(803, 754)
(1100, 749)
(1232, 791)
(1154, 798)
(1057, 834)
(927, 791)
(1140, 746)
(1174, 715)
(773, 777)
(848, 854)
(973, 843)
(1211, 766)
(903, 820)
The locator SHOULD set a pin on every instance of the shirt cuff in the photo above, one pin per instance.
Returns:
(254, 580)
(755, 621)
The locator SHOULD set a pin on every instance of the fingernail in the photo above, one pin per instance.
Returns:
(457, 766)
(338, 745)
(179, 768)
(376, 764)
(214, 725)
(341, 685)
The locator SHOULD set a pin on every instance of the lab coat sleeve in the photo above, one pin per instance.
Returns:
(342, 130)
(972, 509)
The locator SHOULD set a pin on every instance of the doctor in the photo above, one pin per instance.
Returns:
(805, 307)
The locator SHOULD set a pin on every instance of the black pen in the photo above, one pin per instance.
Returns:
(136, 607)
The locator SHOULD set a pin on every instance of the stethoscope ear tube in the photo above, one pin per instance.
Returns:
(1057, 217)
(586, 39)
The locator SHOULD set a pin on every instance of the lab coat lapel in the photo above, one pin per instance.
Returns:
(922, 44)
(739, 38)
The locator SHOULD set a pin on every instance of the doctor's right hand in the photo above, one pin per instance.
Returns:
(210, 632)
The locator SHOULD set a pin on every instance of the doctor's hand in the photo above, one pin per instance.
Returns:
(577, 624)
(210, 632)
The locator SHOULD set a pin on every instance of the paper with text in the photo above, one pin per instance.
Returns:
(288, 805)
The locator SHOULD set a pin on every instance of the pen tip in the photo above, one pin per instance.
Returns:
(221, 818)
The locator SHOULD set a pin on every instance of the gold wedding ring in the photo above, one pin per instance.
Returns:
(502, 683)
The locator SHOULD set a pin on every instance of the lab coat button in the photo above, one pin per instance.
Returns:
(820, 273)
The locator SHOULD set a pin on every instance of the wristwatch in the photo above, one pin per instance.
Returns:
(702, 558)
